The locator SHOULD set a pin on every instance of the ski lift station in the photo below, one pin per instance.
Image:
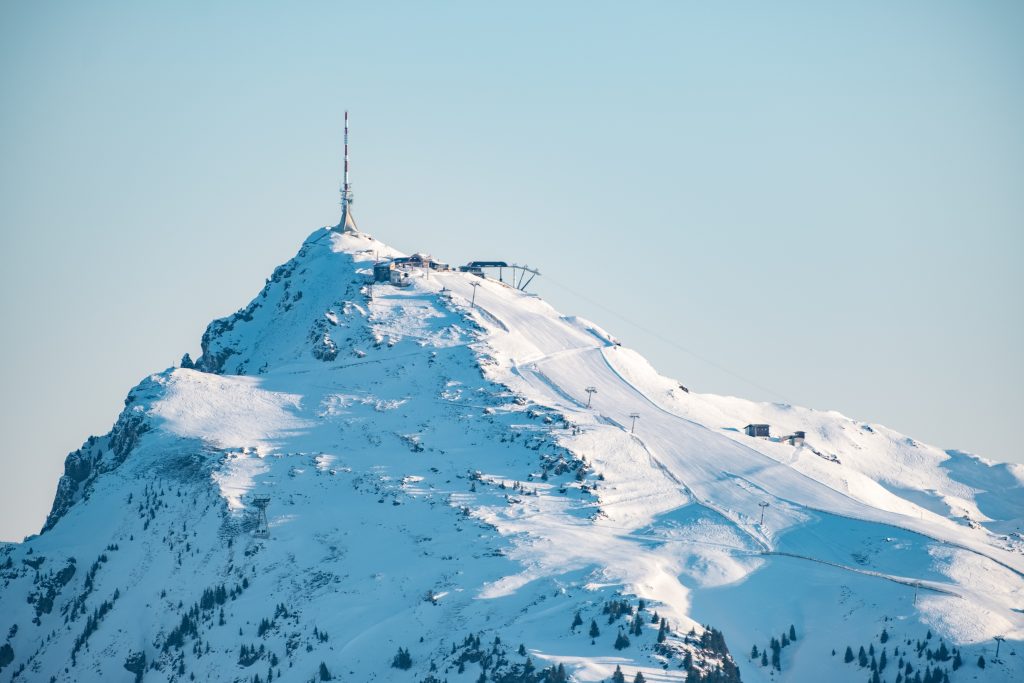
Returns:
(763, 431)
(396, 271)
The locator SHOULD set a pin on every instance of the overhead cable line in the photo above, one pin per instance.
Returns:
(670, 342)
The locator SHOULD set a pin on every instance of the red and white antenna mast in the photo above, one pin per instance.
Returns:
(347, 223)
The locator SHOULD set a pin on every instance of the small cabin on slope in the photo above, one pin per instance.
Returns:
(758, 430)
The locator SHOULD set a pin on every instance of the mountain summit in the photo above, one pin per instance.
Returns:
(444, 479)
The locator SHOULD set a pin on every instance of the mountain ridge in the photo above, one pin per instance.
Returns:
(394, 423)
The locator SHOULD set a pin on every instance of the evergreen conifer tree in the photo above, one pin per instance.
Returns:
(618, 677)
(862, 657)
(594, 630)
(325, 674)
(792, 632)
(848, 657)
(576, 621)
(639, 678)
(753, 652)
(981, 661)
(402, 659)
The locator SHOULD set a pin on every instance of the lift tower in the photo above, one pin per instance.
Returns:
(262, 529)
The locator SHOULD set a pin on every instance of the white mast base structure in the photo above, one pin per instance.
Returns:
(347, 222)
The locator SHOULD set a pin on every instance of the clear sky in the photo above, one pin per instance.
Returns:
(824, 200)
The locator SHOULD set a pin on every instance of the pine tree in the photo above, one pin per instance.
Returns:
(981, 661)
(402, 659)
(576, 621)
(883, 660)
(594, 630)
(885, 636)
(639, 678)
(621, 641)
(862, 657)
(618, 677)
(764, 658)
(848, 657)
(325, 674)
(957, 662)
(753, 652)
(792, 632)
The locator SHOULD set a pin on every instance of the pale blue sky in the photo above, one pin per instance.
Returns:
(823, 198)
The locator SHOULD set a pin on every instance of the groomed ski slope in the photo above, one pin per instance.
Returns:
(818, 510)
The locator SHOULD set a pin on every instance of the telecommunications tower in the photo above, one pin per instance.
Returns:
(347, 223)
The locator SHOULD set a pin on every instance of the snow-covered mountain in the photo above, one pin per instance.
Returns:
(444, 505)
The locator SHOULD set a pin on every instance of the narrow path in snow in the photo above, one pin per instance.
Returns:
(913, 583)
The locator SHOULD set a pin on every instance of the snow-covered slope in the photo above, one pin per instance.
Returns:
(443, 499)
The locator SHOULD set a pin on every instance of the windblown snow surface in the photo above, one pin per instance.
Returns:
(438, 484)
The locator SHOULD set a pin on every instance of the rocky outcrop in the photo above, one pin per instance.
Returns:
(97, 455)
